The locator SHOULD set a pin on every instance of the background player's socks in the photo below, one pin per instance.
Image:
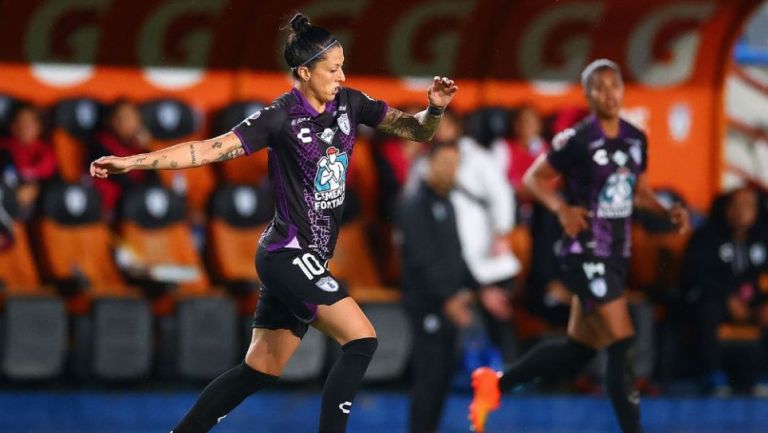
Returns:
(343, 382)
(221, 396)
(562, 357)
(619, 382)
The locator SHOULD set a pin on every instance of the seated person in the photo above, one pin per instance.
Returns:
(125, 136)
(722, 271)
(32, 159)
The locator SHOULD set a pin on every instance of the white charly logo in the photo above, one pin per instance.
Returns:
(305, 135)
(346, 407)
(343, 122)
(598, 287)
(327, 284)
(601, 157)
(620, 158)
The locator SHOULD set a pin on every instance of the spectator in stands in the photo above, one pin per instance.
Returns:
(435, 279)
(484, 203)
(125, 136)
(394, 158)
(724, 272)
(32, 157)
(518, 152)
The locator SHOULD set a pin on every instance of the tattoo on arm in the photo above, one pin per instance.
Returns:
(174, 164)
(416, 127)
(192, 153)
(217, 145)
(232, 154)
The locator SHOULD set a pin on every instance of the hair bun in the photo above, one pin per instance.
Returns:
(299, 23)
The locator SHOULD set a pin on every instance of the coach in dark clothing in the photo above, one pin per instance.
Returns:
(434, 282)
(721, 274)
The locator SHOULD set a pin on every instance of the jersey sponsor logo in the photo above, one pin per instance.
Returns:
(305, 135)
(330, 179)
(615, 199)
(620, 158)
(343, 122)
(327, 135)
(328, 284)
(298, 120)
(597, 144)
(253, 116)
(601, 157)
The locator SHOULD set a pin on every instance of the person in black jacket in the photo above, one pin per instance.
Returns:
(721, 274)
(434, 283)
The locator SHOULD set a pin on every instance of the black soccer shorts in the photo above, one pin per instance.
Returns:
(595, 280)
(294, 283)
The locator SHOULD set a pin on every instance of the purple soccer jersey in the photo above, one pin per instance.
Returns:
(309, 156)
(600, 174)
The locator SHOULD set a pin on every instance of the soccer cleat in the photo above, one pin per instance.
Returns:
(486, 398)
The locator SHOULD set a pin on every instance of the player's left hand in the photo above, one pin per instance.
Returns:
(441, 91)
(680, 218)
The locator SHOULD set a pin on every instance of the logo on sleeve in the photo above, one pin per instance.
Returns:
(327, 284)
(330, 179)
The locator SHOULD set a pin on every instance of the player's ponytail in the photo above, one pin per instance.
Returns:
(307, 43)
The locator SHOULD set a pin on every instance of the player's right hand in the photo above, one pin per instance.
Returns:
(106, 165)
(574, 219)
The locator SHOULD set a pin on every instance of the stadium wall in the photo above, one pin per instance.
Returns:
(674, 55)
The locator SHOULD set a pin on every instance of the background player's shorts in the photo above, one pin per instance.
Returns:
(595, 280)
(294, 283)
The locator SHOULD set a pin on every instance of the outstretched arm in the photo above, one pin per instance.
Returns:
(183, 155)
(422, 125)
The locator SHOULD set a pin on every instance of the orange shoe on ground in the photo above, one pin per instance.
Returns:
(486, 399)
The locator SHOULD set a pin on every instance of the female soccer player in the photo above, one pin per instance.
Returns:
(602, 162)
(309, 133)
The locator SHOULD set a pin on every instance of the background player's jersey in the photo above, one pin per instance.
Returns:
(600, 174)
(309, 156)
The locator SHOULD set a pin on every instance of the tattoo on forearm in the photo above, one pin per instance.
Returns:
(217, 145)
(155, 162)
(232, 154)
(174, 164)
(192, 153)
(419, 127)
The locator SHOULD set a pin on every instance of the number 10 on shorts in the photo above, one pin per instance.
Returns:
(309, 264)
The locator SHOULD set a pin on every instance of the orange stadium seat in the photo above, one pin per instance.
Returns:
(354, 264)
(171, 122)
(251, 169)
(74, 122)
(198, 331)
(112, 324)
(27, 351)
(239, 215)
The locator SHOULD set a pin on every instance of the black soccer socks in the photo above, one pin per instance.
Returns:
(221, 396)
(562, 357)
(343, 382)
(619, 382)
